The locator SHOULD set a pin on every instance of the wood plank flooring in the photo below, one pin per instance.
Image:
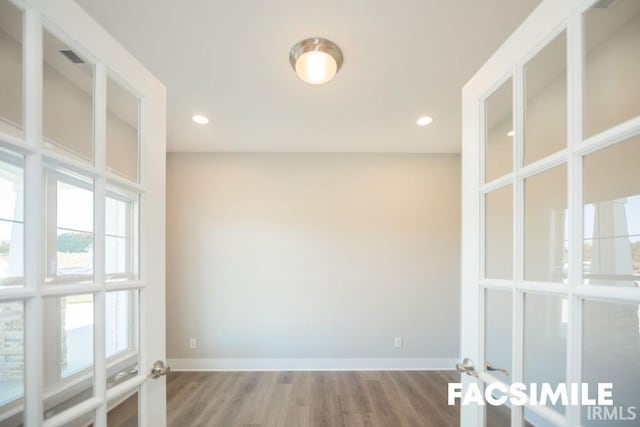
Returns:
(302, 399)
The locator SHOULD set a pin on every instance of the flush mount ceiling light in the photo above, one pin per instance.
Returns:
(201, 120)
(424, 120)
(316, 60)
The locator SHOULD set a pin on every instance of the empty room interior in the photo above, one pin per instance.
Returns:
(319, 213)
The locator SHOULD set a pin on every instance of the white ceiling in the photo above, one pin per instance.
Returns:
(228, 60)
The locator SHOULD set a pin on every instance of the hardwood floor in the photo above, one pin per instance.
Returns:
(301, 399)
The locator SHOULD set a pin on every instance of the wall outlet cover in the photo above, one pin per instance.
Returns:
(397, 342)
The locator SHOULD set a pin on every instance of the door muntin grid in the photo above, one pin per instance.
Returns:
(582, 275)
(77, 381)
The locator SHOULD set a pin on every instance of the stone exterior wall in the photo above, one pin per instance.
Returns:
(11, 341)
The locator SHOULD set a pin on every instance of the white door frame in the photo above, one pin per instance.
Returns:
(112, 60)
(548, 20)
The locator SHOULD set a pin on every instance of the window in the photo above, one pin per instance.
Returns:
(69, 227)
(119, 324)
(11, 220)
(120, 229)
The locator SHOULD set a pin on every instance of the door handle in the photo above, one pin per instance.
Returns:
(159, 369)
(489, 367)
(468, 367)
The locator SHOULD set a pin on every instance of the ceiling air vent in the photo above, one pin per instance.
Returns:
(604, 4)
(71, 56)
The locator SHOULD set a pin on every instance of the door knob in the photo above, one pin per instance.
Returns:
(489, 367)
(159, 369)
(468, 367)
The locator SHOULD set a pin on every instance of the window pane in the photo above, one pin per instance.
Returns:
(67, 98)
(499, 234)
(121, 336)
(120, 322)
(546, 239)
(545, 340)
(77, 333)
(69, 343)
(612, 64)
(11, 220)
(11, 355)
(120, 240)
(116, 262)
(497, 327)
(612, 215)
(116, 217)
(611, 345)
(11, 120)
(122, 130)
(545, 124)
(123, 413)
(498, 416)
(499, 133)
(70, 227)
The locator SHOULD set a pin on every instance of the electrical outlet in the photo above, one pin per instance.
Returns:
(193, 344)
(397, 342)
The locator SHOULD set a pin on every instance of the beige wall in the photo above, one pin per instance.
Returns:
(313, 255)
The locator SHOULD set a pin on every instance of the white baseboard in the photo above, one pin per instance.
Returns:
(346, 364)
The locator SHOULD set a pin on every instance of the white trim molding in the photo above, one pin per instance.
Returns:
(310, 364)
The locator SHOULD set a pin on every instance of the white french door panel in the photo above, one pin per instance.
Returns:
(83, 126)
(549, 209)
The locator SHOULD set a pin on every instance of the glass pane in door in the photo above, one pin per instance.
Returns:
(69, 227)
(121, 240)
(11, 361)
(497, 416)
(497, 330)
(611, 346)
(498, 110)
(545, 231)
(67, 96)
(499, 234)
(11, 220)
(123, 412)
(612, 215)
(612, 64)
(68, 343)
(545, 121)
(122, 130)
(121, 323)
(545, 340)
(11, 106)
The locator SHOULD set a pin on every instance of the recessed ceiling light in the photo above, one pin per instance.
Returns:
(316, 60)
(510, 133)
(201, 120)
(424, 120)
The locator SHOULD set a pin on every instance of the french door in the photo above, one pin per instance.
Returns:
(551, 213)
(82, 164)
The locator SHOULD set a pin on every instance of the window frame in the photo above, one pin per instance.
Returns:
(16, 160)
(54, 175)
